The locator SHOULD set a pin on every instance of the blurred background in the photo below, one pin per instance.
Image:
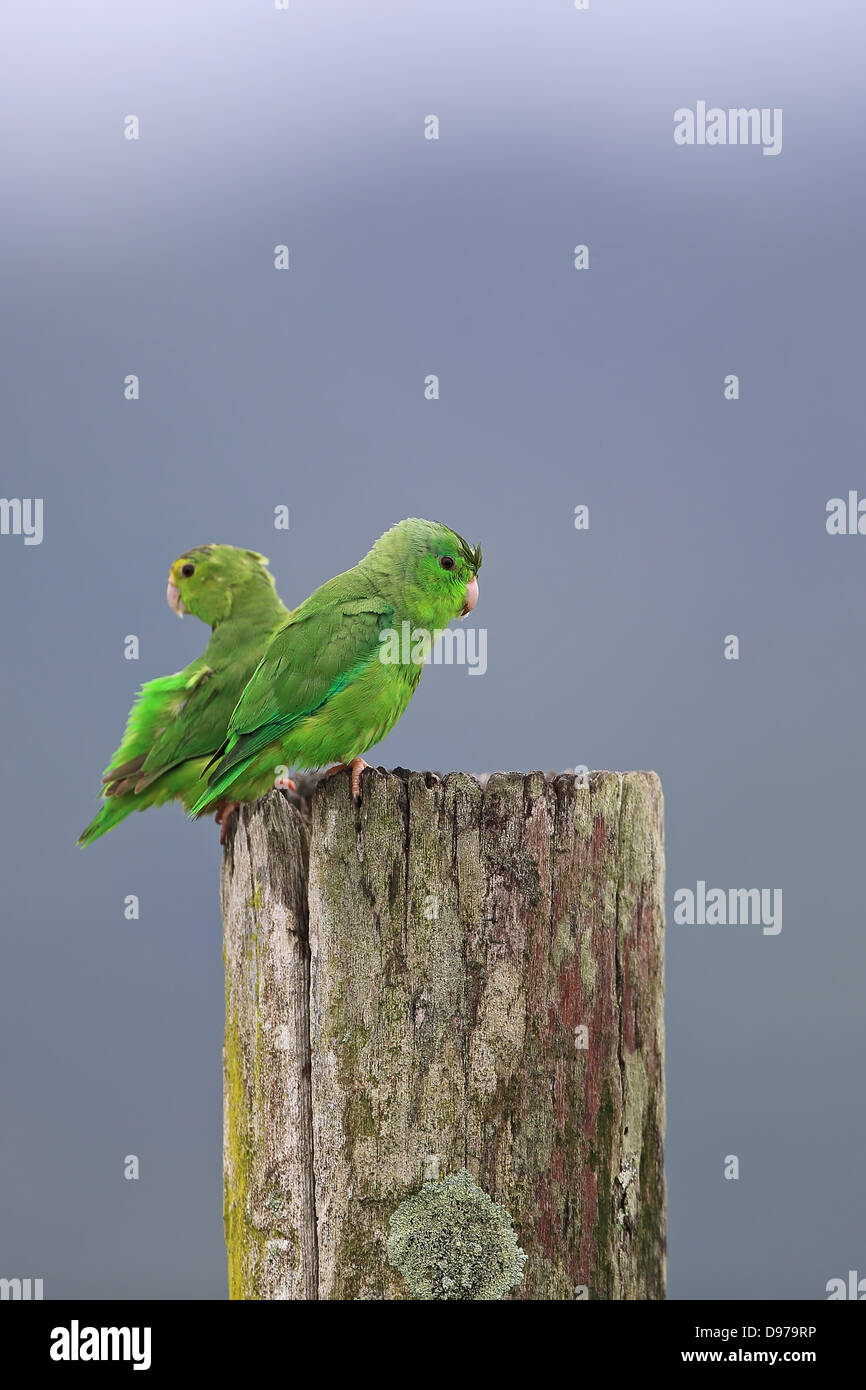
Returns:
(558, 388)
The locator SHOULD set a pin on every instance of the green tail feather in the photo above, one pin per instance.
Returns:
(182, 781)
(217, 785)
(113, 811)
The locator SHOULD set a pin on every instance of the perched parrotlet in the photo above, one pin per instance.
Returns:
(178, 722)
(322, 693)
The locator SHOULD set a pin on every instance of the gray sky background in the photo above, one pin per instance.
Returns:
(306, 388)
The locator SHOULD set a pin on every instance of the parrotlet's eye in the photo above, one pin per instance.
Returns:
(187, 570)
(447, 562)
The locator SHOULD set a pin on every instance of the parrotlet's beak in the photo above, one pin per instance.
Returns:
(173, 598)
(471, 596)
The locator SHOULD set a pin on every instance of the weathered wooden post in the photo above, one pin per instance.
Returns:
(446, 977)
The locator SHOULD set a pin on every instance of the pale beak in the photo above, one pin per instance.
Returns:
(174, 600)
(471, 596)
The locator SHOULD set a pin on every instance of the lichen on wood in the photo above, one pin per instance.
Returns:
(450, 1241)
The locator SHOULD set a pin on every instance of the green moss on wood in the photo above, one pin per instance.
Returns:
(358, 1121)
(649, 1236)
(244, 1244)
(605, 1272)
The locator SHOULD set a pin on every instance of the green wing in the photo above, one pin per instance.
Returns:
(320, 651)
(152, 716)
(175, 725)
(156, 708)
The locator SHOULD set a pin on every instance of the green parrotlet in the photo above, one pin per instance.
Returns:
(322, 692)
(179, 721)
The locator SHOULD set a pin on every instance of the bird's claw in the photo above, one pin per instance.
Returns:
(223, 817)
(356, 766)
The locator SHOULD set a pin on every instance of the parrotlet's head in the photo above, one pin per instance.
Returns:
(208, 580)
(429, 570)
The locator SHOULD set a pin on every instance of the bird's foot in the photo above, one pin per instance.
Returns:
(357, 766)
(285, 784)
(225, 811)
